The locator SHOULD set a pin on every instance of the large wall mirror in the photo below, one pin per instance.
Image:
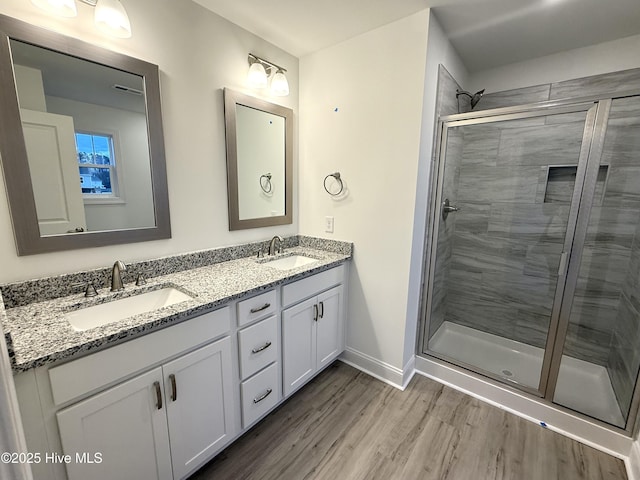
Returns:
(259, 161)
(81, 143)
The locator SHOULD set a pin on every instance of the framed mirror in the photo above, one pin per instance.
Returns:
(81, 143)
(259, 137)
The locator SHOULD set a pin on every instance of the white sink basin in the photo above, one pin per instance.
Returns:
(292, 261)
(111, 312)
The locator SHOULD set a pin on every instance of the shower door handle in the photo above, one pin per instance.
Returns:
(447, 208)
(563, 263)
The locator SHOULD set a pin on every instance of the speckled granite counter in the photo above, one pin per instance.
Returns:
(40, 334)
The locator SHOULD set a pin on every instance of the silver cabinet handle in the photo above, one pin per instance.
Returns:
(174, 387)
(321, 309)
(263, 396)
(315, 312)
(259, 309)
(156, 385)
(263, 347)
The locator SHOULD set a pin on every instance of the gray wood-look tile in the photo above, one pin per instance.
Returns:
(621, 81)
(346, 425)
(541, 145)
(518, 96)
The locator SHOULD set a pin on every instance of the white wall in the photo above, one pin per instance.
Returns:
(439, 52)
(621, 54)
(199, 54)
(361, 110)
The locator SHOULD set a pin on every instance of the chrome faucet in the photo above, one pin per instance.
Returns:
(116, 276)
(272, 245)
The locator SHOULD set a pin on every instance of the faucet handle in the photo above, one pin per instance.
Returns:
(141, 278)
(89, 288)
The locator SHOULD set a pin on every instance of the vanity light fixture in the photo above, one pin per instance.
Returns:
(259, 72)
(110, 15)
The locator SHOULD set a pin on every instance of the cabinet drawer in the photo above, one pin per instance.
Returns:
(307, 287)
(102, 368)
(255, 308)
(258, 346)
(259, 394)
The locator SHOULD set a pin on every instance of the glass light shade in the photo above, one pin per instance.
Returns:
(257, 76)
(279, 84)
(63, 8)
(112, 18)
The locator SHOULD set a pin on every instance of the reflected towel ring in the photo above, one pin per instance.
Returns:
(336, 176)
(265, 185)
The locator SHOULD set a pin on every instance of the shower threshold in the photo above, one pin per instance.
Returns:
(582, 386)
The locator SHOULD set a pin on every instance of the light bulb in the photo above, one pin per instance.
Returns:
(279, 84)
(63, 8)
(257, 76)
(112, 18)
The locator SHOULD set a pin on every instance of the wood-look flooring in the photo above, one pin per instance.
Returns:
(346, 425)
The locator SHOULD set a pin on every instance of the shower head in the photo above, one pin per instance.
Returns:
(475, 98)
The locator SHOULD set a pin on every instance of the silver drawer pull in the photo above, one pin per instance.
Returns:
(263, 396)
(263, 347)
(259, 309)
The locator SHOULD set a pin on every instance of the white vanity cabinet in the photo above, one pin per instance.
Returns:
(155, 407)
(312, 330)
(170, 419)
(259, 356)
(125, 427)
(161, 405)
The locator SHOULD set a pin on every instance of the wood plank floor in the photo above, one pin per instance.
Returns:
(346, 425)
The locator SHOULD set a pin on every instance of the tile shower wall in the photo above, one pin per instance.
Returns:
(447, 104)
(621, 210)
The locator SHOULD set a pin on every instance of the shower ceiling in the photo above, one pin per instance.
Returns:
(486, 33)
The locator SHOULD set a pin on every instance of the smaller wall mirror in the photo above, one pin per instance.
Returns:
(259, 137)
(81, 143)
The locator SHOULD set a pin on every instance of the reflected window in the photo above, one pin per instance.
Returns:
(97, 164)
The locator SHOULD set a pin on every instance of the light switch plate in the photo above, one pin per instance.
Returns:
(328, 224)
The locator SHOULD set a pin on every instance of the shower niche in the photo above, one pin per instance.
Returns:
(534, 280)
(559, 183)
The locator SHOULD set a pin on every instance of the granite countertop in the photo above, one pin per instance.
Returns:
(41, 335)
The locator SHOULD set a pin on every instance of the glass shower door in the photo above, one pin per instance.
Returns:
(600, 357)
(507, 190)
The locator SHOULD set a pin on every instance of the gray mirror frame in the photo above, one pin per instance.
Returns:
(231, 99)
(14, 154)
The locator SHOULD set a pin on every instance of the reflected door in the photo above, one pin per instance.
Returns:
(53, 166)
(507, 194)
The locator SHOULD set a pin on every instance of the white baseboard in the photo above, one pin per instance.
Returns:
(591, 434)
(633, 462)
(376, 368)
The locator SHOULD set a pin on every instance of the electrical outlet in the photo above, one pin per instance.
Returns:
(328, 224)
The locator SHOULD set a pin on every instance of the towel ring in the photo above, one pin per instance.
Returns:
(336, 176)
(266, 185)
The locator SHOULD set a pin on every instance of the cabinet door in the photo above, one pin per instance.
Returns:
(200, 405)
(126, 425)
(329, 327)
(298, 345)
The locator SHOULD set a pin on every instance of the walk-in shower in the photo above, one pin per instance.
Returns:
(533, 274)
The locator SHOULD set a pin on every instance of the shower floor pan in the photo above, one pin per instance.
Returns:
(582, 386)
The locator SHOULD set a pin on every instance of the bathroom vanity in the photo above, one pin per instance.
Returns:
(159, 394)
